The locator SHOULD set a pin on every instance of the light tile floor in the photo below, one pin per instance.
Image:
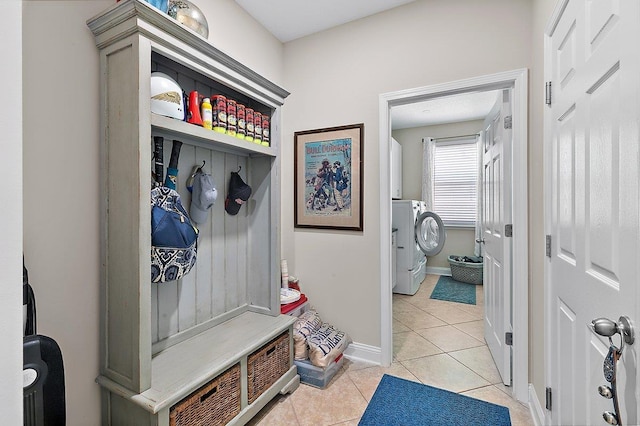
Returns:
(435, 342)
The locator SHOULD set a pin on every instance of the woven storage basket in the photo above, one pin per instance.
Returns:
(466, 272)
(215, 403)
(266, 365)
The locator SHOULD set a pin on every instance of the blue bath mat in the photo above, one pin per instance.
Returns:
(454, 291)
(400, 402)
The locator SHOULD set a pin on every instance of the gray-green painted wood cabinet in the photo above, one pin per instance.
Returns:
(161, 342)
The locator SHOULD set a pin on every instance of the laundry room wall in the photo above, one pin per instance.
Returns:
(460, 241)
(336, 78)
(61, 170)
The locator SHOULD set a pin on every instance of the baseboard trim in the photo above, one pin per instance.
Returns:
(362, 352)
(438, 270)
(536, 410)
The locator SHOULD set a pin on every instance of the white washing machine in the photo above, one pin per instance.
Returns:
(420, 234)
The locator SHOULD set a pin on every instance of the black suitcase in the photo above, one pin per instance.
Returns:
(43, 370)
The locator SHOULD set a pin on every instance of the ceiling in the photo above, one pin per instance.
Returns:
(292, 19)
(288, 20)
(448, 109)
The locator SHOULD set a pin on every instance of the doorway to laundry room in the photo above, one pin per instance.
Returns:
(445, 341)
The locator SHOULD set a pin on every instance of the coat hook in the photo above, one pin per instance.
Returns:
(239, 168)
(202, 167)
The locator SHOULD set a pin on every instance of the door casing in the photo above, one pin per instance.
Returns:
(518, 80)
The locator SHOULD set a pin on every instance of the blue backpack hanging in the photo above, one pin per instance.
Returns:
(173, 237)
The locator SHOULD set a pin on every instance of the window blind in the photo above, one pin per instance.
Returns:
(455, 181)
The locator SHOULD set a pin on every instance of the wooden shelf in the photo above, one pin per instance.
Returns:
(183, 368)
(172, 128)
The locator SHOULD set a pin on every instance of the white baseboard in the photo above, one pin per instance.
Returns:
(536, 410)
(438, 270)
(362, 352)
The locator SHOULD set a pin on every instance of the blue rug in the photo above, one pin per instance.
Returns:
(400, 402)
(454, 291)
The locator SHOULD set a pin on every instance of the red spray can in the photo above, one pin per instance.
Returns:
(193, 116)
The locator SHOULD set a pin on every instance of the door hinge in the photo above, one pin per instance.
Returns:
(508, 122)
(547, 91)
(548, 399)
(548, 246)
(508, 338)
(508, 230)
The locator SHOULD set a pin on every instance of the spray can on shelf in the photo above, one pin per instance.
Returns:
(219, 116)
(250, 126)
(242, 123)
(257, 127)
(207, 114)
(232, 120)
(193, 115)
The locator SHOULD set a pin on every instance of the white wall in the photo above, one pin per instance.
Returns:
(411, 141)
(336, 78)
(460, 241)
(11, 216)
(61, 166)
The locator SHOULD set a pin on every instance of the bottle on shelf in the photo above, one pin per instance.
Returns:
(219, 116)
(257, 127)
(265, 130)
(248, 112)
(242, 123)
(206, 114)
(232, 120)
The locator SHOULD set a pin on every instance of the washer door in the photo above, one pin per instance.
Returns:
(430, 233)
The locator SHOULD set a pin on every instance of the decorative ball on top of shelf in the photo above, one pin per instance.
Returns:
(189, 15)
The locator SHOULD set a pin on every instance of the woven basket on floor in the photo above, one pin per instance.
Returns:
(466, 272)
(266, 365)
(215, 403)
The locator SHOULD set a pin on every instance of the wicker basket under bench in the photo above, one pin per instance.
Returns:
(228, 372)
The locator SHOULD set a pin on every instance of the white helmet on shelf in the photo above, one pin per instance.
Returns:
(166, 96)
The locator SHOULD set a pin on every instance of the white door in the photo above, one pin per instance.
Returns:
(592, 61)
(496, 213)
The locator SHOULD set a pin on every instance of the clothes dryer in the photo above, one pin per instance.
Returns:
(420, 234)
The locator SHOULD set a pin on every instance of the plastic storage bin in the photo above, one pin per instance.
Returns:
(317, 376)
(299, 310)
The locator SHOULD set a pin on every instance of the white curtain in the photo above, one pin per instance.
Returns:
(428, 164)
(480, 196)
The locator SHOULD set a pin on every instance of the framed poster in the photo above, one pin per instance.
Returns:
(328, 170)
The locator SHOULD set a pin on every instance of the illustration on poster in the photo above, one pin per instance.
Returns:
(327, 167)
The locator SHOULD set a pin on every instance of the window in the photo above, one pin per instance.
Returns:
(455, 179)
